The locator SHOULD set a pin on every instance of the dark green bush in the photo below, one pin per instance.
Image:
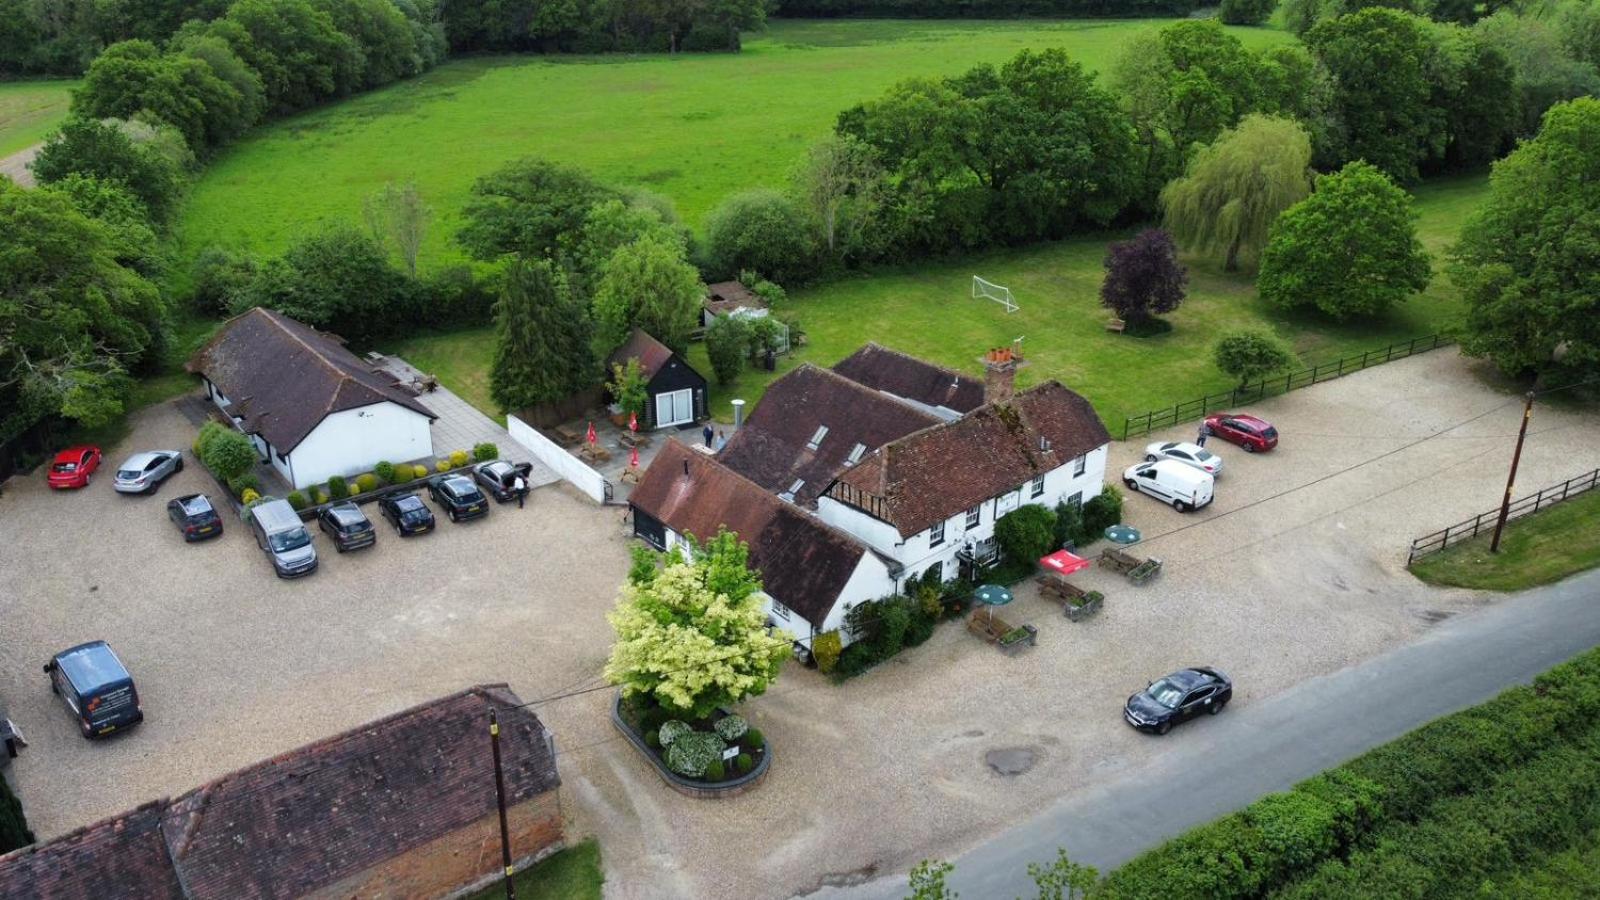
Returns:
(716, 771)
(14, 831)
(1026, 533)
(229, 454)
(385, 470)
(652, 739)
(753, 740)
(246, 482)
(338, 488)
(484, 452)
(1101, 512)
(743, 763)
(1069, 525)
(297, 500)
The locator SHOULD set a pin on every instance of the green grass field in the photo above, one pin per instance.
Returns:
(572, 874)
(29, 110)
(695, 128)
(1540, 549)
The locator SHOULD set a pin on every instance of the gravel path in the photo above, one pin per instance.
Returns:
(15, 166)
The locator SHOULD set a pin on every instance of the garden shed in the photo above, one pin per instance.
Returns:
(675, 392)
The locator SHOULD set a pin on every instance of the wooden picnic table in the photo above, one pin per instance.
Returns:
(594, 452)
(567, 435)
(1138, 570)
(1077, 604)
(992, 629)
(631, 439)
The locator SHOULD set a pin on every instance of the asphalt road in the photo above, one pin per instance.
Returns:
(1249, 751)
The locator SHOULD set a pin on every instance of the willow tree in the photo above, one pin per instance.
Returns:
(1234, 187)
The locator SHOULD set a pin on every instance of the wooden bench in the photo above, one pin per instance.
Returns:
(566, 436)
(1118, 561)
(1117, 325)
(1077, 604)
(594, 453)
(987, 626)
(631, 440)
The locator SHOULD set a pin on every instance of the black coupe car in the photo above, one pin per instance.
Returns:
(459, 498)
(407, 513)
(1177, 698)
(498, 475)
(195, 517)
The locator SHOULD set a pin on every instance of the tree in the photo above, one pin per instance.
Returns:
(1546, 70)
(1064, 879)
(841, 185)
(1143, 276)
(1475, 86)
(301, 56)
(529, 207)
(928, 880)
(73, 322)
(542, 335)
(133, 77)
(1236, 186)
(397, 216)
(1350, 249)
(763, 230)
(229, 454)
(1249, 355)
(132, 240)
(628, 387)
(1526, 259)
(613, 223)
(337, 279)
(1379, 62)
(693, 638)
(104, 150)
(728, 347)
(386, 47)
(647, 284)
(1026, 533)
(1246, 12)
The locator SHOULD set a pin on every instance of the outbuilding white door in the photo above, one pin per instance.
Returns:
(675, 408)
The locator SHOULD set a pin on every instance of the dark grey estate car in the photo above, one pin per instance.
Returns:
(459, 498)
(348, 526)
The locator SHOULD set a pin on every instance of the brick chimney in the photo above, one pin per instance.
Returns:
(999, 375)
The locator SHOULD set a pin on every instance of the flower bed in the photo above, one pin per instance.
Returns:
(720, 756)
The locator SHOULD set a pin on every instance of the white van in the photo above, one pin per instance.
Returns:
(1185, 487)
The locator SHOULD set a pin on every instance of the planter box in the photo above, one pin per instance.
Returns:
(700, 790)
(1077, 613)
(1016, 646)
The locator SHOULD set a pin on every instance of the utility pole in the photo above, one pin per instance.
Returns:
(500, 800)
(1516, 457)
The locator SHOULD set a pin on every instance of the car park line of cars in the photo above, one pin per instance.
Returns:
(143, 473)
(72, 467)
(1188, 454)
(459, 497)
(195, 517)
(1184, 474)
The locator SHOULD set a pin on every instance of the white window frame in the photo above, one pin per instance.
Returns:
(1080, 465)
(1036, 487)
(936, 535)
(975, 517)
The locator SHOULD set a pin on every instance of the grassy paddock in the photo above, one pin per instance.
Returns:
(572, 874)
(1538, 549)
(29, 110)
(696, 127)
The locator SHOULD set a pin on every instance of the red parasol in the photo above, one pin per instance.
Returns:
(1062, 562)
(592, 437)
(633, 421)
(633, 459)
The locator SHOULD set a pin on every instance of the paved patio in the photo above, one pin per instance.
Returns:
(613, 440)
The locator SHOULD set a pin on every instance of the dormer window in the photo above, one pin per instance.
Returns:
(856, 453)
(816, 439)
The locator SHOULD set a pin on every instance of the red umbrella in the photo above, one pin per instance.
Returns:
(1064, 562)
(633, 459)
(633, 421)
(592, 438)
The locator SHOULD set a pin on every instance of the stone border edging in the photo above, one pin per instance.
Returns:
(698, 790)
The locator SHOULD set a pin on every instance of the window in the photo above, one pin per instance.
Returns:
(974, 516)
(1076, 500)
(1037, 487)
(793, 489)
(855, 454)
(1007, 502)
(936, 535)
(780, 611)
(816, 439)
(1079, 465)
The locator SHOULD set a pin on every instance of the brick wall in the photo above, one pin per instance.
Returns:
(462, 858)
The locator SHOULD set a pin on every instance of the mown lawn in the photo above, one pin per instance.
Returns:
(1539, 549)
(928, 310)
(696, 127)
(29, 110)
(572, 874)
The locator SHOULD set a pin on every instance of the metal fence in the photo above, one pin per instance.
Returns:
(1134, 426)
(1484, 522)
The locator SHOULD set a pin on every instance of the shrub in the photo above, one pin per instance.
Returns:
(727, 346)
(1246, 12)
(1070, 527)
(485, 451)
(652, 739)
(202, 441)
(246, 482)
(14, 831)
(1026, 533)
(229, 454)
(366, 483)
(919, 623)
(297, 500)
(743, 763)
(692, 754)
(1102, 511)
(753, 740)
(442, 465)
(671, 730)
(248, 496)
(763, 230)
(459, 458)
(338, 488)
(716, 771)
(419, 471)
(385, 470)
(731, 728)
(317, 495)
(825, 649)
(400, 474)
(1251, 354)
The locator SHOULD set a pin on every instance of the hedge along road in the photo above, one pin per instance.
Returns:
(1272, 745)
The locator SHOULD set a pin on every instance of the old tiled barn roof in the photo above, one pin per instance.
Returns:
(894, 372)
(774, 450)
(927, 477)
(285, 377)
(124, 856)
(651, 353)
(727, 296)
(331, 809)
(308, 818)
(804, 563)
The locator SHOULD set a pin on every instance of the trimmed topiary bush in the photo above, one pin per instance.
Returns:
(743, 763)
(246, 482)
(229, 454)
(1026, 533)
(652, 739)
(825, 650)
(731, 728)
(248, 496)
(385, 470)
(716, 771)
(753, 740)
(401, 474)
(366, 482)
(671, 730)
(338, 488)
(691, 754)
(442, 465)
(419, 471)
(297, 500)
(485, 451)
(459, 458)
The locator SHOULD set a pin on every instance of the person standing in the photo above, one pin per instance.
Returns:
(709, 434)
(722, 440)
(520, 486)
(1205, 432)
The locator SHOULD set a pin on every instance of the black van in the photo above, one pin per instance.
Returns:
(96, 686)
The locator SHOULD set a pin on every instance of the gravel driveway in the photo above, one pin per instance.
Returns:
(869, 776)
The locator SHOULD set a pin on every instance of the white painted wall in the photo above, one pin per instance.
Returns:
(352, 441)
(569, 467)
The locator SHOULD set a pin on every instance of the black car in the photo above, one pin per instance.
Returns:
(497, 477)
(96, 686)
(195, 517)
(407, 513)
(348, 526)
(459, 498)
(1177, 698)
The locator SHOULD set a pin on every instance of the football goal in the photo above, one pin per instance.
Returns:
(988, 290)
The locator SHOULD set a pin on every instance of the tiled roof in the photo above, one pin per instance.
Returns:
(804, 564)
(124, 856)
(285, 377)
(726, 296)
(773, 447)
(931, 475)
(896, 373)
(651, 353)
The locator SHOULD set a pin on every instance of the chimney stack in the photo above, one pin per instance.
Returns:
(999, 375)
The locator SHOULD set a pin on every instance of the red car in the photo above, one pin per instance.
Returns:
(73, 466)
(1247, 431)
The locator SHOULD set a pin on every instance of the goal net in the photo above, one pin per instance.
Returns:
(988, 290)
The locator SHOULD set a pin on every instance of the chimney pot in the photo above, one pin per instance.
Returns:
(999, 376)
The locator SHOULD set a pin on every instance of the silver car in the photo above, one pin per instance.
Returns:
(142, 473)
(1186, 453)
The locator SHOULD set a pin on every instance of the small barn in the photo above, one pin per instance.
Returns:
(726, 297)
(676, 392)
